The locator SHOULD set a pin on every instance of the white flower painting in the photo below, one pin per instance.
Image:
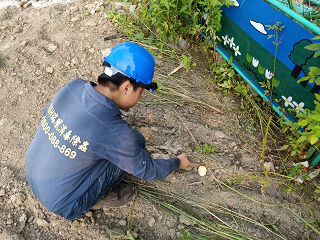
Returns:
(268, 74)
(287, 101)
(255, 62)
(225, 40)
(236, 51)
(299, 107)
(231, 41)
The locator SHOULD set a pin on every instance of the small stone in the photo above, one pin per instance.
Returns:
(172, 233)
(17, 30)
(19, 92)
(23, 218)
(185, 220)
(74, 9)
(24, 43)
(26, 5)
(122, 222)
(179, 234)
(269, 167)
(219, 134)
(2, 191)
(9, 221)
(41, 222)
(150, 118)
(75, 224)
(180, 226)
(75, 61)
(75, 19)
(49, 70)
(51, 48)
(132, 9)
(17, 199)
(117, 5)
(89, 214)
(151, 222)
(100, 9)
(90, 6)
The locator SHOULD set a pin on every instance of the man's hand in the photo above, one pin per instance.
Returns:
(184, 161)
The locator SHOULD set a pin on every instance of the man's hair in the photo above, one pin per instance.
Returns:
(115, 81)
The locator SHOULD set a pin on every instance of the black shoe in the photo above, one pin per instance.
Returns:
(120, 195)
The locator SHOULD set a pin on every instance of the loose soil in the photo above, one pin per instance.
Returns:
(43, 49)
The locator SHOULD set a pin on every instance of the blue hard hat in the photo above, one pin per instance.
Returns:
(133, 60)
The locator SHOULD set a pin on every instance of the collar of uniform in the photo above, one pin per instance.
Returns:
(100, 97)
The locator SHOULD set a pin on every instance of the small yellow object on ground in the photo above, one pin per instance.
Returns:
(202, 170)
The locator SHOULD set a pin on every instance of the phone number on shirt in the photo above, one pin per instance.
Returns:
(55, 141)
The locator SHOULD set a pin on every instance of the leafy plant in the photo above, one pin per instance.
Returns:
(307, 129)
(236, 180)
(186, 62)
(318, 192)
(206, 148)
(314, 71)
(173, 20)
(277, 28)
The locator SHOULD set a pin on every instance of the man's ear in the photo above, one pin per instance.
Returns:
(125, 87)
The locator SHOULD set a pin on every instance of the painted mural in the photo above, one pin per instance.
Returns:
(267, 47)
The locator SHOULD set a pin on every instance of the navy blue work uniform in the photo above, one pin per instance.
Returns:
(82, 148)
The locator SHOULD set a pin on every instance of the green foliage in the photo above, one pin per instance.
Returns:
(224, 75)
(295, 171)
(206, 148)
(310, 122)
(276, 28)
(314, 71)
(172, 20)
(318, 191)
(289, 187)
(186, 62)
(236, 180)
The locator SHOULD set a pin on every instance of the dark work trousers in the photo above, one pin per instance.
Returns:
(107, 180)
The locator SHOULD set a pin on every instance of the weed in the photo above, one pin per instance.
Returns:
(206, 148)
(277, 28)
(223, 75)
(186, 62)
(236, 180)
(318, 192)
(306, 130)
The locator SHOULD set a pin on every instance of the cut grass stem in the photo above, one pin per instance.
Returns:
(264, 146)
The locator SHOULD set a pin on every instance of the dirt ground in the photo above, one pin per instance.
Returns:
(40, 51)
